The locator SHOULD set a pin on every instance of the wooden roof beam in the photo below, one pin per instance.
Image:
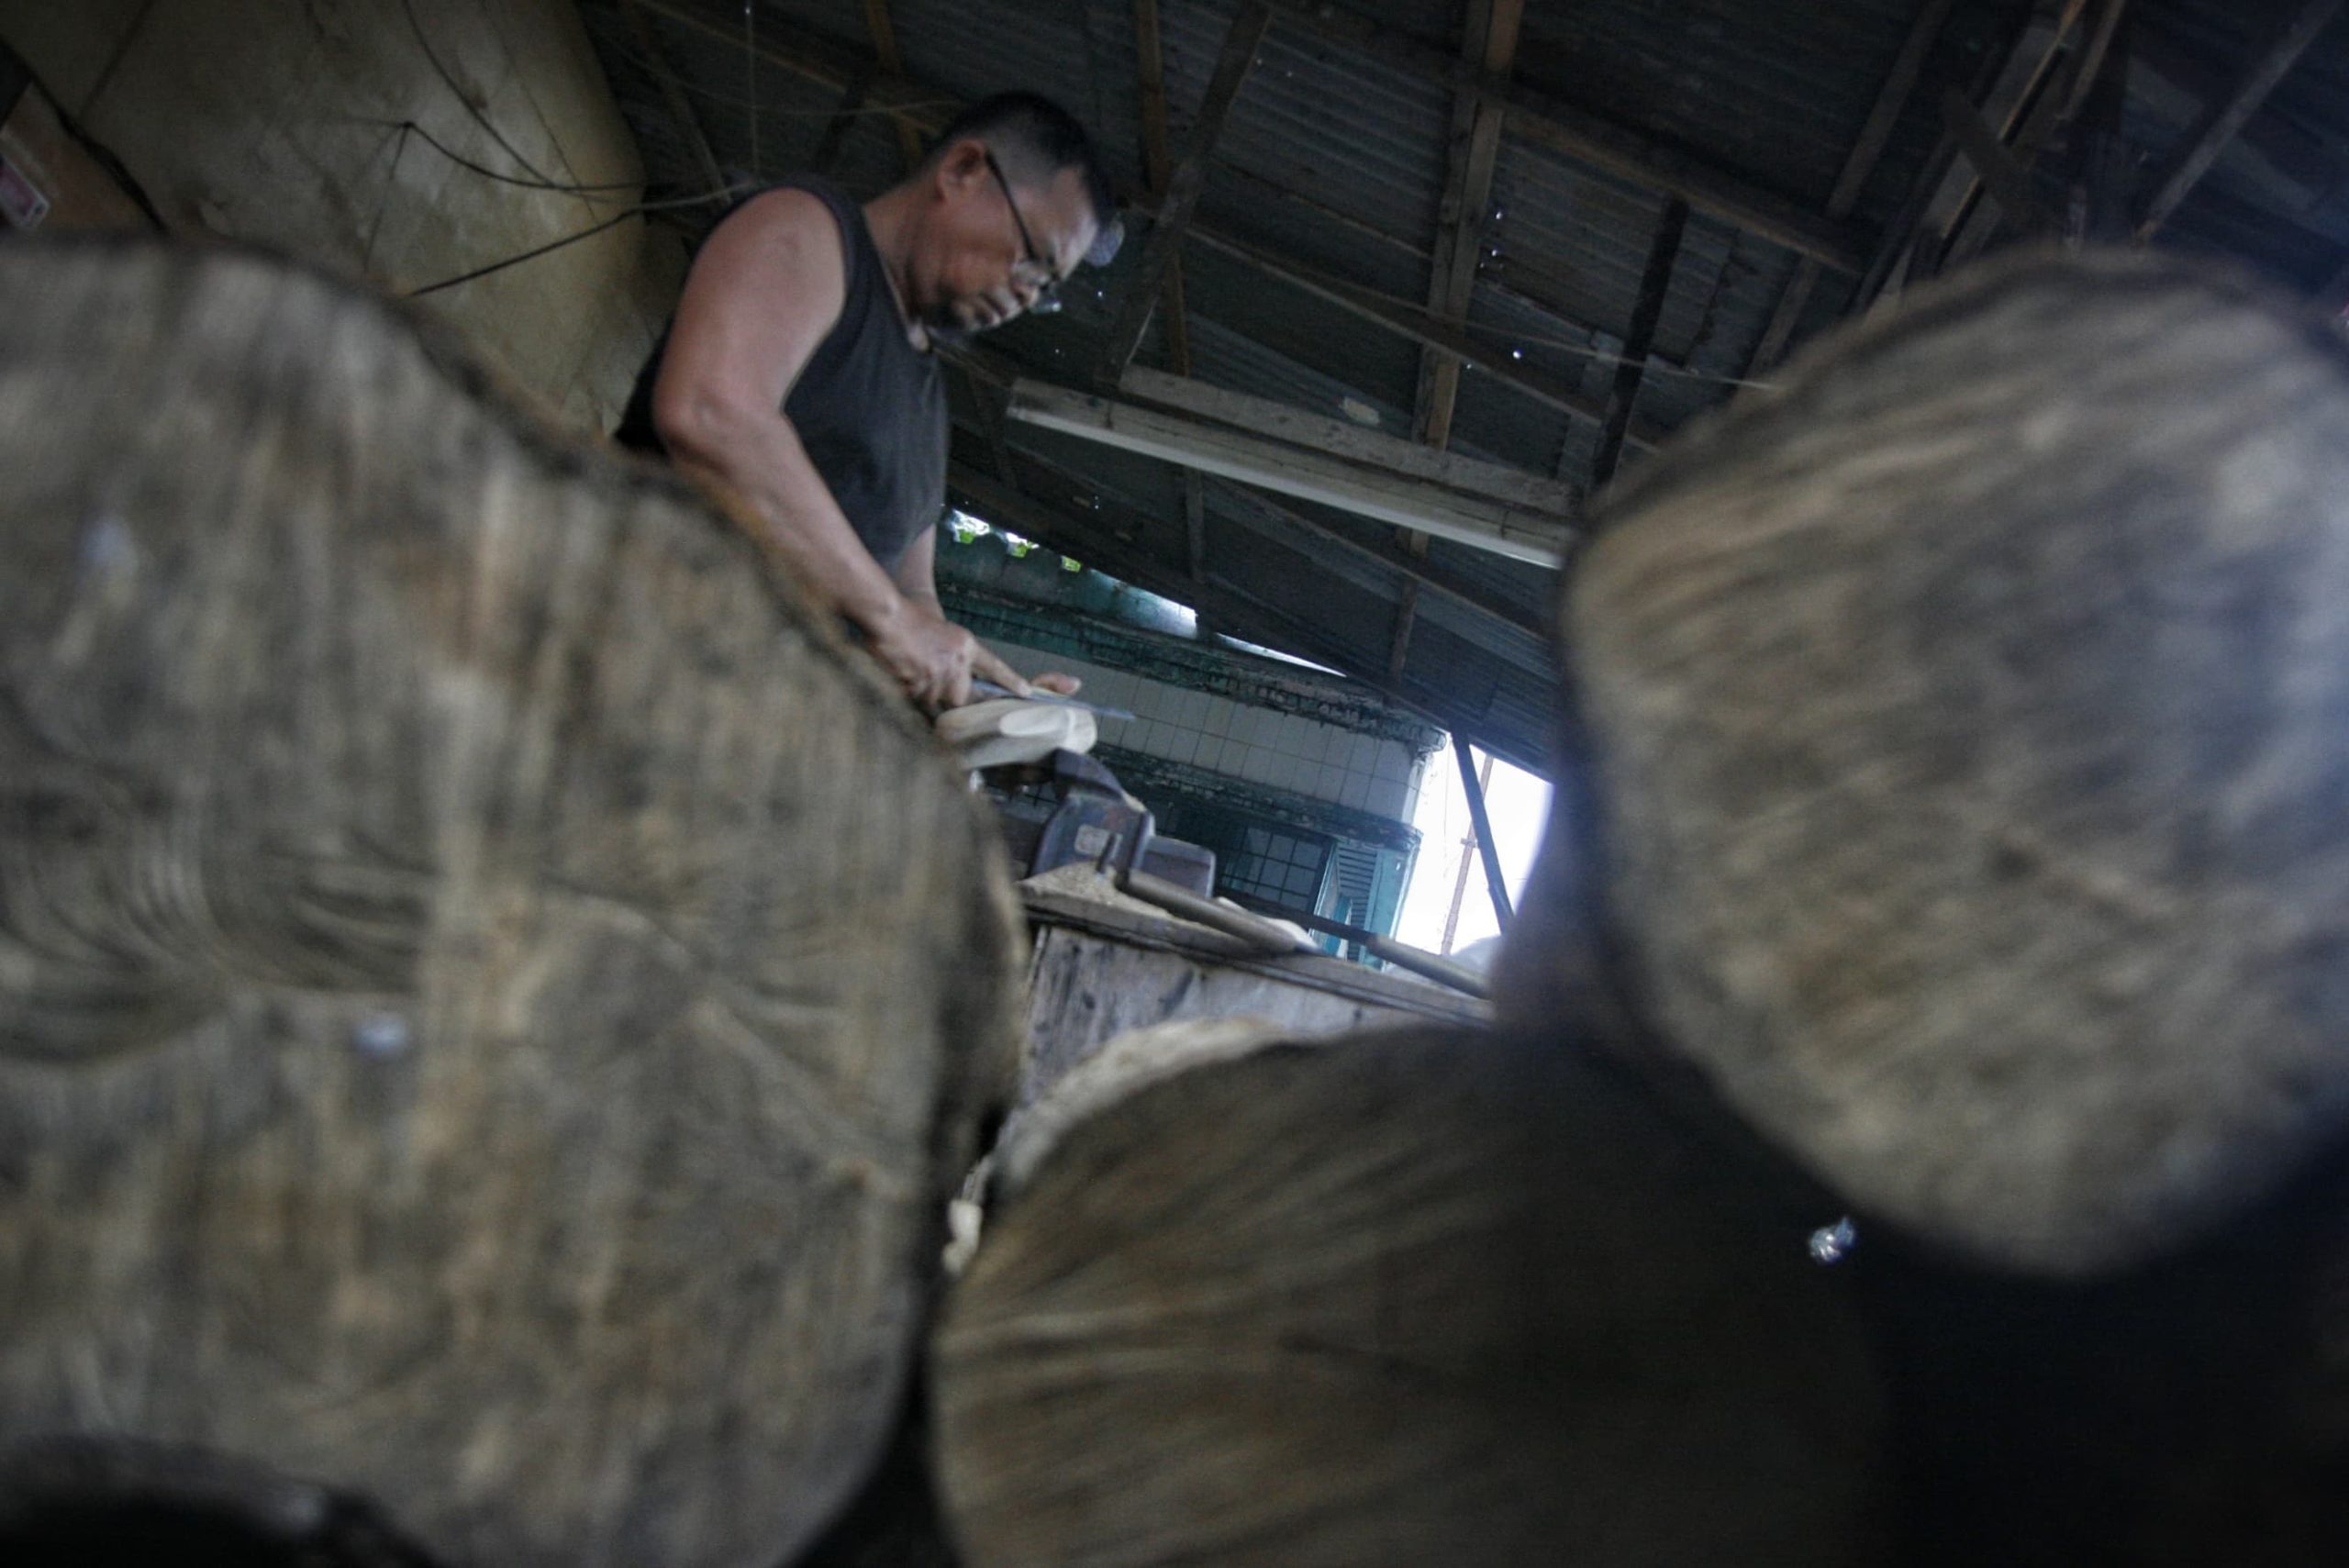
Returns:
(1481, 504)
(1241, 42)
(681, 113)
(1577, 133)
(2225, 118)
(1876, 132)
(1655, 282)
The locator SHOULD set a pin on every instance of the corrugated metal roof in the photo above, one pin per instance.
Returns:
(1337, 161)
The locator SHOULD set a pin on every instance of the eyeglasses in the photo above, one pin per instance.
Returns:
(1047, 297)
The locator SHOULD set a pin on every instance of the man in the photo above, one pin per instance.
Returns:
(800, 370)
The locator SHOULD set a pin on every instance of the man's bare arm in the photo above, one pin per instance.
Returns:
(767, 286)
(916, 579)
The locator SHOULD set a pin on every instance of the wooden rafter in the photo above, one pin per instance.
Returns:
(2004, 178)
(1891, 98)
(1372, 307)
(1902, 234)
(1158, 168)
(1518, 527)
(1655, 282)
(1241, 42)
(1561, 127)
(2223, 119)
(681, 113)
(884, 50)
(1489, 38)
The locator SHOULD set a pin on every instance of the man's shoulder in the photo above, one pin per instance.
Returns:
(787, 237)
(786, 211)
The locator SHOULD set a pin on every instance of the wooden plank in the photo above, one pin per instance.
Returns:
(1655, 282)
(2004, 178)
(1577, 133)
(1101, 970)
(1338, 437)
(1891, 98)
(1902, 234)
(1183, 187)
(1517, 532)
(672, 97)
(2226, 118)
(884, 50)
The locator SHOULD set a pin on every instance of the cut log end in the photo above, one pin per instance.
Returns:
(1400, 1298)
(1962, 727)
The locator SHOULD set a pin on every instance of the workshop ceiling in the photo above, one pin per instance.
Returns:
(1619, 211)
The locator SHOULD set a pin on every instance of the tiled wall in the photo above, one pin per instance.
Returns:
(1278, 751)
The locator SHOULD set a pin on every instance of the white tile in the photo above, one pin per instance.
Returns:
(1258, 765)
(1183, 746)
(1326, 782)
(1356, 792)
(1192, 709)
(1217, 718)
(1297, 774)
(1360, 753)
(1211, 752)
(1386, 797)
(1393, 763)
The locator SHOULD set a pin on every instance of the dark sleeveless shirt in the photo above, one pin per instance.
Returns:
(869, 406)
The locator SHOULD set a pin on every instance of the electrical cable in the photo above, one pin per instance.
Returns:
(536, 251)
(459, 159)
(449, 82)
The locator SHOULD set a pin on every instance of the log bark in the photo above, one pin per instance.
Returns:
(494, 994)
(1424, 1296)
(1960, 769)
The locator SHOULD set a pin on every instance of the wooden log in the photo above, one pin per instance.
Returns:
(1417, 1298)
(494, 994)
(1960, 771)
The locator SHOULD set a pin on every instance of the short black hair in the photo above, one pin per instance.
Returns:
(1035, 138)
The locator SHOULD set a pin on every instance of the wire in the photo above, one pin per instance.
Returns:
(534, 252)
(450, 83)
(459, 159)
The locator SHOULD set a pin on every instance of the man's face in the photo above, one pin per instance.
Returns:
(977, 269)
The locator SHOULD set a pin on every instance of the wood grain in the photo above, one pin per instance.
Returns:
(1423, 1297)
(493, 993)
(1962, 763)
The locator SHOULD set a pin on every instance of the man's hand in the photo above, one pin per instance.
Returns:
(934, 659)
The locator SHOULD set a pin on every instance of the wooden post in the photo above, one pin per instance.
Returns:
(1474, 788)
